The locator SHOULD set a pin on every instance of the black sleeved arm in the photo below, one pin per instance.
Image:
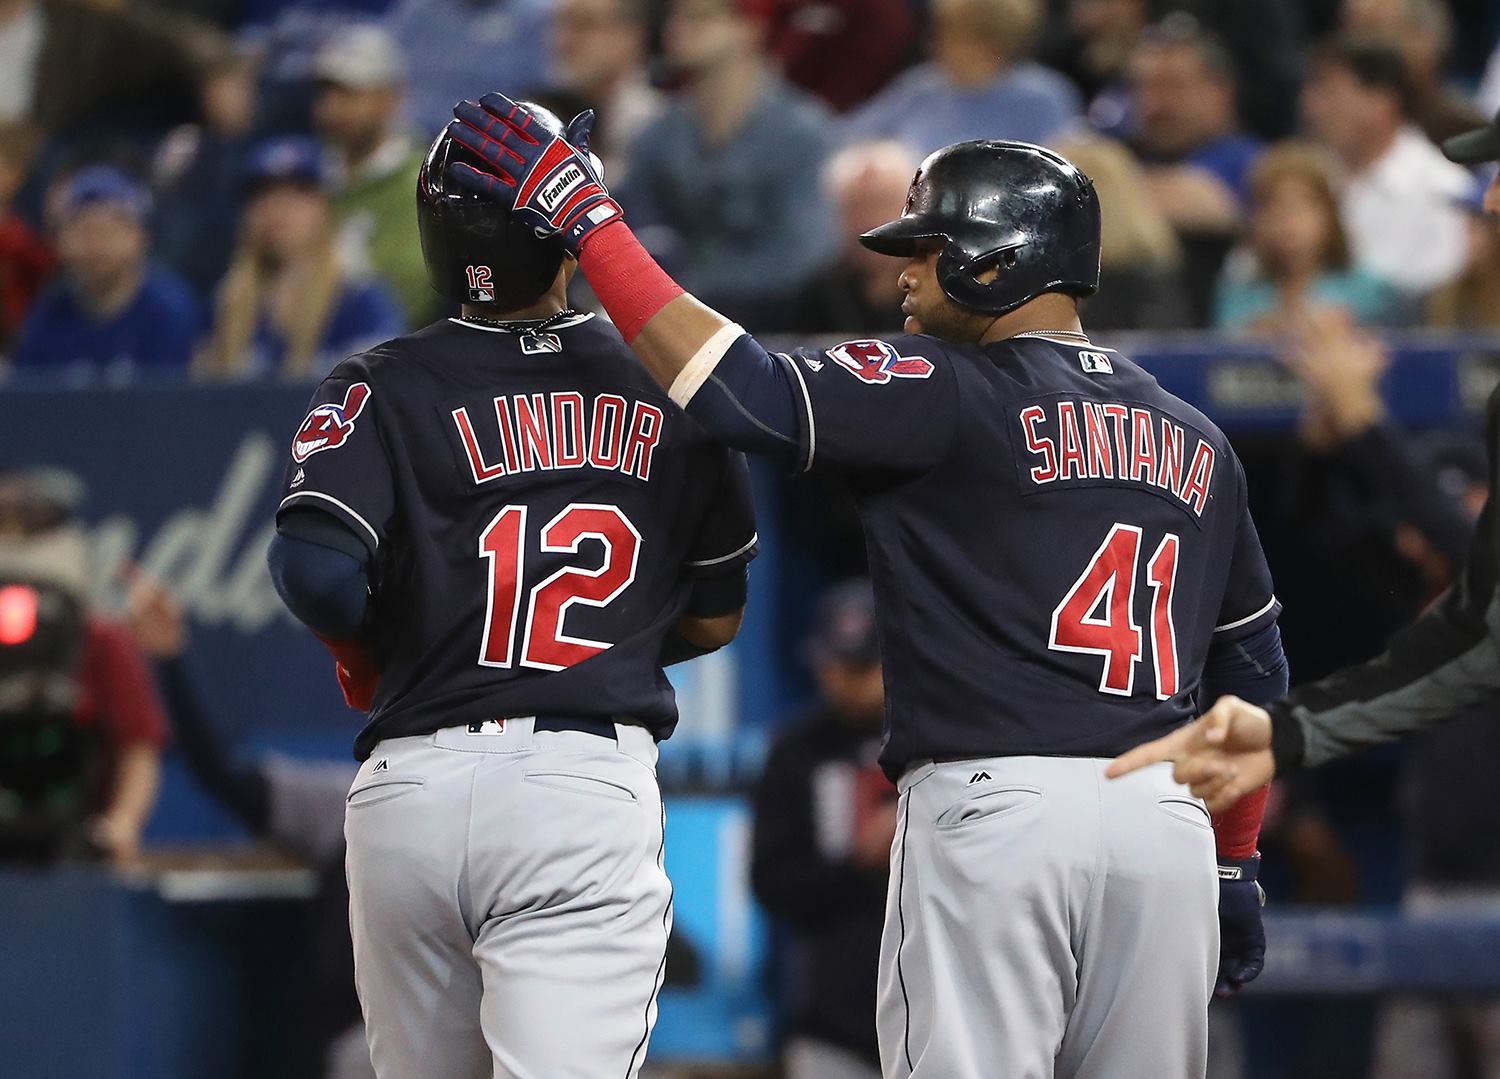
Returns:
(241, 788)
(872, 405)
(1438, 667)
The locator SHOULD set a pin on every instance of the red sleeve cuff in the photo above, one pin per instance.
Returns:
(1237, 829)
(627, 280)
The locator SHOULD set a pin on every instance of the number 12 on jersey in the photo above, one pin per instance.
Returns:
(1097, 616)
(544, 646)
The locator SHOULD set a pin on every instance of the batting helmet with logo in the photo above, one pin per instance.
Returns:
(1011, 206)
(474, 253)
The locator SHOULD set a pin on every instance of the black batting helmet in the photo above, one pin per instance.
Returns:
(1010, 205)
(474, 252)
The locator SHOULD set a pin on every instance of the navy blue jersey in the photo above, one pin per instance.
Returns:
(537, 511)
(1054, 540)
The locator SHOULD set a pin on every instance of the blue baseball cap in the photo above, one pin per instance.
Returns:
(289, 159)
(843, 626)
(104, 185)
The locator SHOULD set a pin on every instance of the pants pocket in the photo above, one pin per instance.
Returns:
(580, 783)
(374, 791)
(1188, 810)
(989, 805)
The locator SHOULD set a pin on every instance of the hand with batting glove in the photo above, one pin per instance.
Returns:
(356, 670)
(1242, 933)
(548, 181)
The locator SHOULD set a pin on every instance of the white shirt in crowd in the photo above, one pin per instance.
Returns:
(20, 45)
(1405, 214)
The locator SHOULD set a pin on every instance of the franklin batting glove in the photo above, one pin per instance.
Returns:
(550, 182)
(1242, 933)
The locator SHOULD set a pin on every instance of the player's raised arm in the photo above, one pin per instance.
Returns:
(791, 405)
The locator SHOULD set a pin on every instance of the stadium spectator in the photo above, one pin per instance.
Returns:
(1472, 300)
(465, 48)
(601, 61)
(66, 65)
(1402, 202)
(825, 817)
(1423, 32)
(842, 51)
(111, 313)
(116, 701)
(860, 292)
(1186, 129)
(286, 307)
(1140, 267)
(361, 77)
(1096, 42)
(976, 85)
(198, 172)
(724, 185)
(1300, 255)
(26, 259)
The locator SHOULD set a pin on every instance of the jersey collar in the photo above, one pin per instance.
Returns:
(526, 326)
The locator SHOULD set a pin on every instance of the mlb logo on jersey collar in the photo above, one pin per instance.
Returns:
(533, 344)
(1096, 363)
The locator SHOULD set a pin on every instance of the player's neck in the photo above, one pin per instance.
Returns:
(1050, 311)
(546, 307)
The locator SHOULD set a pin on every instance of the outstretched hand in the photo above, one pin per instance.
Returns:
(1222, 757)
(548, 181)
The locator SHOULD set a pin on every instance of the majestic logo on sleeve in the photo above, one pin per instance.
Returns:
(877, 362)
(329, 426)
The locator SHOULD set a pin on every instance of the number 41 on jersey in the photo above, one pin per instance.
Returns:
(1097, 616)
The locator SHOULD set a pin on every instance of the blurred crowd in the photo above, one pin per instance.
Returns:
(226, 189)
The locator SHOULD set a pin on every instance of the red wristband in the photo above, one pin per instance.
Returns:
(1237, 829)
(627, 280)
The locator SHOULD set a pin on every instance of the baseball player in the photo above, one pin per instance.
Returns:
(504, 531)
(1062, 559)
(1438, 668)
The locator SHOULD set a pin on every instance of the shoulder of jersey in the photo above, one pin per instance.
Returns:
(593, 340)
(1165, 400)
(372, 362)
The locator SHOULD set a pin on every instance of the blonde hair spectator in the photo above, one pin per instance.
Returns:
(1140, 265)
(286, 307)
(1133, 230)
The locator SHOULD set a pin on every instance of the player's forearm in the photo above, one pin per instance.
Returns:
(1445, 663)
(664, 325)
(1254, 669)
(709, 365)
(138, 779)
(1237, 829)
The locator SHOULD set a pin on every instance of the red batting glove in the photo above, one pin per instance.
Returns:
(356, 670)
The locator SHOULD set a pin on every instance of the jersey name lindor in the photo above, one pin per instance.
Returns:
(557, 431)
(1110, 440)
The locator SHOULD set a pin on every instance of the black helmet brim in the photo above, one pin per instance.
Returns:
(901, 236)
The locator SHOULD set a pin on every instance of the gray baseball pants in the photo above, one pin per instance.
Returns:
(1046, 923)
(507, 902)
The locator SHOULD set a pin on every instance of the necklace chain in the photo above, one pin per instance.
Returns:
(525, 325)
(1075, 334)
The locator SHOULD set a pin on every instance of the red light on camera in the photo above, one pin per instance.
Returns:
(17, 614)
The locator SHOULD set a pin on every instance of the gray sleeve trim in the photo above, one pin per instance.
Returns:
(1443, 694)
